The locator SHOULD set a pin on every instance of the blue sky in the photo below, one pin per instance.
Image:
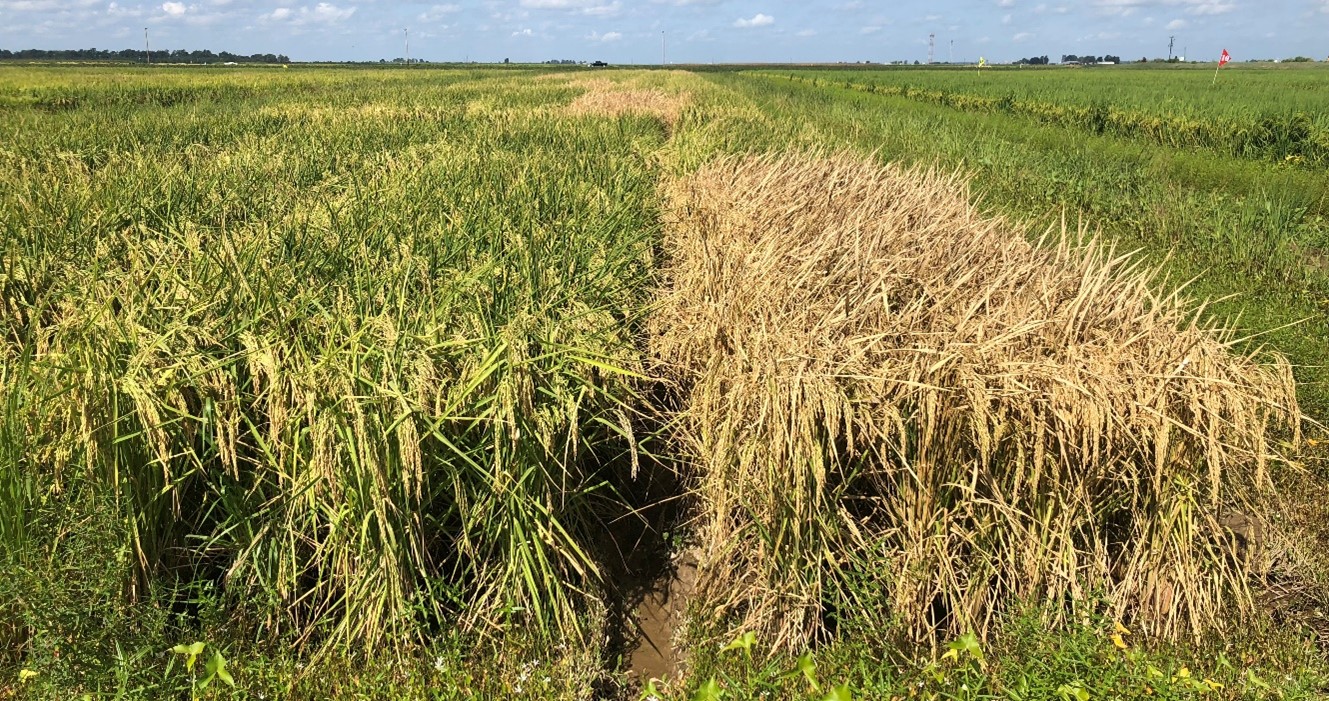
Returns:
(701, 31)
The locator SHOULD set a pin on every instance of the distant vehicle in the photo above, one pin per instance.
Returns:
(599, 64)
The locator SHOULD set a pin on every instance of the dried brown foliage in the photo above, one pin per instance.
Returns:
(604, 98)
(898, 404)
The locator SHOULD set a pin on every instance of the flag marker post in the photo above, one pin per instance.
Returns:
(1222, 60)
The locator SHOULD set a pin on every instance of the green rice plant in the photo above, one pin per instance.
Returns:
(352, 364)
(367, 381)
(1258, 114)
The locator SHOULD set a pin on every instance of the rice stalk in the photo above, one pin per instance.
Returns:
(881, 385)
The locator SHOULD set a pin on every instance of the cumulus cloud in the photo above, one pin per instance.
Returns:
(322, 13)
(606, 37)
(594, 8)
(174, 9)
(44, 5)
(1125, 8)
(438, 12)
(757, 20)
(1177, 24)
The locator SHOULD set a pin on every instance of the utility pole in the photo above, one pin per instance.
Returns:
(407, 32)
(662, 48)
(950, 57)
(146, 48)
(1170, 41)
(932, 45)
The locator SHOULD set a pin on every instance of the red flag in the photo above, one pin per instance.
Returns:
(1224, 58)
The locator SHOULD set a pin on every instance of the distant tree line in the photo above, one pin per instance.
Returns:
(1072, 58)
(139, 56)
(1069, 58)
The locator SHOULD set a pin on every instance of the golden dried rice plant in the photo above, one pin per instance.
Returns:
(896, 402)
(614, 101)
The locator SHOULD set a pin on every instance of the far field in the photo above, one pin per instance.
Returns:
(456, 383)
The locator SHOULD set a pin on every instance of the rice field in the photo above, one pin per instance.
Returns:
(427, 383)
(1275, 115)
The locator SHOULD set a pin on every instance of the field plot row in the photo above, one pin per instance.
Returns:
(1274, 116)
(1249, 234)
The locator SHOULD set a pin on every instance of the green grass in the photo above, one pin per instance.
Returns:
(1250, 113)
(1022, 661)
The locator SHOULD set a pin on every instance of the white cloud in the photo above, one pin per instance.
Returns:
(593, 8)
(1208, 7)
(524, 33)
(1123, 8)
(758, 20)
(322, 13)
(115, 9)
(606, 37)
(174, 9)
(44, 5)
(438, 12)
(1022, 36)
(1177, 24)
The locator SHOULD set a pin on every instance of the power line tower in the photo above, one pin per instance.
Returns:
(950, 57)
(932, 46)
(1170, 42)
(147, 49)
(407, 32)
